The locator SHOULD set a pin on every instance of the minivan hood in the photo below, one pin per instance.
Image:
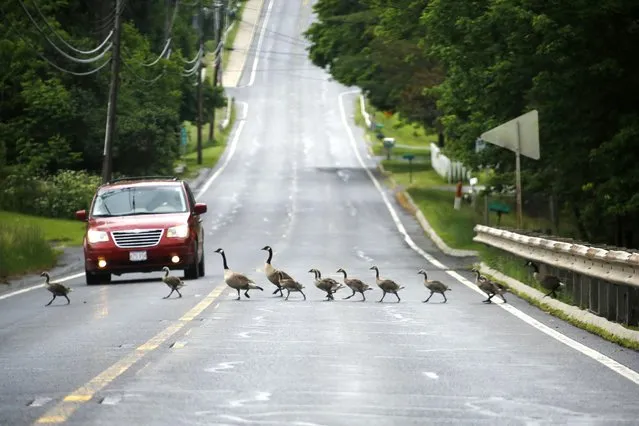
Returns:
(144, 221)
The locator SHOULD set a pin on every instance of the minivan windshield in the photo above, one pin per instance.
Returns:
(139, 200)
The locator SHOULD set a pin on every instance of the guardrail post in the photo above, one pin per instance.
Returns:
(604, 305)
(622, 304)
(633, 314)
(593, 296)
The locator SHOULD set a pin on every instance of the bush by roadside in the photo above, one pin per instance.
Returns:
(57, 196)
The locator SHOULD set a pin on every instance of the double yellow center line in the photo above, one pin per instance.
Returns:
(61, 412)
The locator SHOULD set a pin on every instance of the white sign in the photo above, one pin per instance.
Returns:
(521, 133)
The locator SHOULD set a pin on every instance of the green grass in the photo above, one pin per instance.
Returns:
(423, 174)
(404, 133)
(27, 242)
(55, 231)
(455, 227)
(211, 151)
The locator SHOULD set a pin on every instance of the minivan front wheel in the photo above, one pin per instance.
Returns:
(192, 272)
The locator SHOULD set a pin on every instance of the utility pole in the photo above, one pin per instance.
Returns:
(107, 160)
(217, 57)
(199, 85)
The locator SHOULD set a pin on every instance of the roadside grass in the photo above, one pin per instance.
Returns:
(415, 141)
(211, 150)
(455, 227)
(28, 243)
(404, 133)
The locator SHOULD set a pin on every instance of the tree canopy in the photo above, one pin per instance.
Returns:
(465, 67)
(52, 117)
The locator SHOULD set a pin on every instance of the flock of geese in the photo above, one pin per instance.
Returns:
(284, 282)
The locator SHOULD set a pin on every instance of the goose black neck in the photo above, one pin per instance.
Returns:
(166, 272)
(344, 272)
(376, 273)
(270, 256)
(46, 278)
(224, 260)
(318, 275)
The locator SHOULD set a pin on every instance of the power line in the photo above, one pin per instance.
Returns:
(66, 55)
(50, 62)
(72, 58)
(168, 41)
(142, 79)
(55, 33)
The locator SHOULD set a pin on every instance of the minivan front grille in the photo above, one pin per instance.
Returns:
(137, 239)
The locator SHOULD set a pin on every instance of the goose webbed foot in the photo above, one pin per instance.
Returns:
(348, 297)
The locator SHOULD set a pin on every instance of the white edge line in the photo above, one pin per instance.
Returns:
(232, 148)
(595, 355)
(206, 186)
(35, 287)
(259, 42)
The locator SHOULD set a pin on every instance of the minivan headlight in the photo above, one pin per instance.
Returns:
(180, 231)
(95, 236)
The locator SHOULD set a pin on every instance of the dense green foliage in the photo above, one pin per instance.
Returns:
(467, 66)
(52, 120)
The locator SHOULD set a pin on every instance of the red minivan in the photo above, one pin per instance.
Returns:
(141, 225)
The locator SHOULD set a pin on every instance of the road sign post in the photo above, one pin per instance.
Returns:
(520, 135)
(389, 143)
(410, 158)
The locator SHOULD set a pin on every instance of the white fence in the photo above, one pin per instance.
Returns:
(452, 171)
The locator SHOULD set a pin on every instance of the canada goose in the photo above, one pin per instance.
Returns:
(271, 272)
(237, 281)
(357, 286)
(289, 284)
(56, 289)
(549, 282)
(387, 286)
(489, 287)
(328, 285)
(434, 287)
(172, 281)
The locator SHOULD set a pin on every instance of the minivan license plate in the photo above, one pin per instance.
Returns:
(137, 256)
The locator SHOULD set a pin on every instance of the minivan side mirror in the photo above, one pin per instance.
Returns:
(200, 208)
(81, 215)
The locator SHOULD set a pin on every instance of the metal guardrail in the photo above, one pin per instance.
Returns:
(604, 281)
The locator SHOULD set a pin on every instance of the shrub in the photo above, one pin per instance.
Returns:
(67, 192)
(58, 196)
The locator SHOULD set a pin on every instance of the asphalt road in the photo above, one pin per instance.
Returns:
(120, 354)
